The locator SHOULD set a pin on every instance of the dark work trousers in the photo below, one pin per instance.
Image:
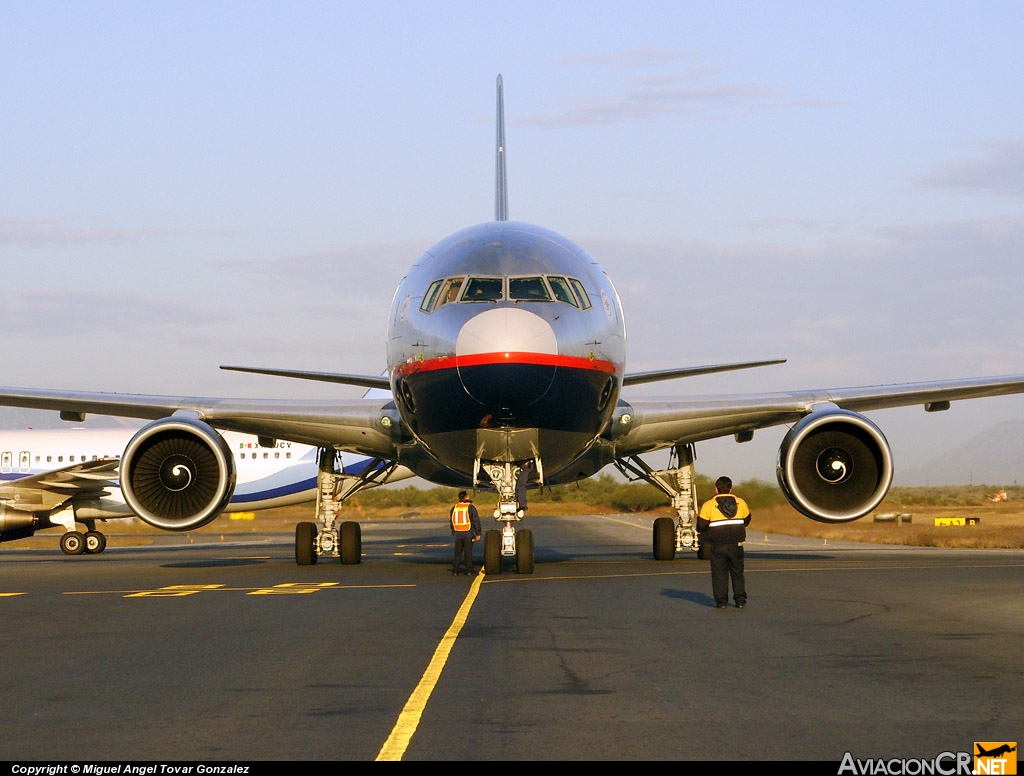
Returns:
(727, 561)
(463, 547)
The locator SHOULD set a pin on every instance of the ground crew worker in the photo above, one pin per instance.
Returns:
(723, 525)
(525, 472)
(466, 529)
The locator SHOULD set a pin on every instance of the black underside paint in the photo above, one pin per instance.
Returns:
(564, 404)
(506, 395)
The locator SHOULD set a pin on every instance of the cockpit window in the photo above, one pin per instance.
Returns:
(531, 288)
(528, 289)
(449, 291)
(483, 290)
(560, 288)
(430, 296)
(581, 292)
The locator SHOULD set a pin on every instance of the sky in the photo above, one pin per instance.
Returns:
(186, 185)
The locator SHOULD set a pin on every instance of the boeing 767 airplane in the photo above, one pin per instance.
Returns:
(506, 359)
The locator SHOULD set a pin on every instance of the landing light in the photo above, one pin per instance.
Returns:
(625, 419)
(385, 421)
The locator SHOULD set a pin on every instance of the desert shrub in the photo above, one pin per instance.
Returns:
(602, 490)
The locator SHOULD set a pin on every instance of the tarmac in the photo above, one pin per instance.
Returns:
(228, 651)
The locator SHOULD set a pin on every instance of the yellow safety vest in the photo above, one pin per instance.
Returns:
(460, 517)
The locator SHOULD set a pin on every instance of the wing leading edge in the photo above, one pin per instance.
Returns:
(660, 423)
(353, 425)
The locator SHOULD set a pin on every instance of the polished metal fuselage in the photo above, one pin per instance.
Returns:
(503, 379)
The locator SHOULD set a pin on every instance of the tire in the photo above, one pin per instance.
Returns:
(305, 544)
(72, 543)
(524, 551)
(664, 539)
(351, 536)
(95, 542)
(492, 552)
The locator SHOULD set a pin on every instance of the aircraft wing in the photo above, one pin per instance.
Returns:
(660, 423)
(352, 425)
(38, 492)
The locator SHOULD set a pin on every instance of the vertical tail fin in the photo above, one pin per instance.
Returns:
(500, 184)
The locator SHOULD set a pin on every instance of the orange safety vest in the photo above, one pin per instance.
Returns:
(460, 517)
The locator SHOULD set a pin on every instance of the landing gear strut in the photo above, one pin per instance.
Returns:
(679, 484)
(336, 539)
(508, 542)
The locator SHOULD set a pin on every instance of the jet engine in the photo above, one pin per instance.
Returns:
(834, 466)
(177, 474)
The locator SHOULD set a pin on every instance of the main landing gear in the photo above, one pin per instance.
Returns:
(75, 542)
(678, 482)
(507, 542)
(333, 539)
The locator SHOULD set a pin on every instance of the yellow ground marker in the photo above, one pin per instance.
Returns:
(948, 521)
(394, 748)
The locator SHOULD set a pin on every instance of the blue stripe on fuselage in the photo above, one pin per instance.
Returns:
(288, 489)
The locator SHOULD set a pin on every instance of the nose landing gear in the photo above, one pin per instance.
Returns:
(507, 542)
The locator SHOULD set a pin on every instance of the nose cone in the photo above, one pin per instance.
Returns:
(506, 357)
(506, 330)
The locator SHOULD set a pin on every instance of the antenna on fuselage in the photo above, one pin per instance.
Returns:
(500, 184)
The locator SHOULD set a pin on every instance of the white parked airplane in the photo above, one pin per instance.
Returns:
(60, 478)
(505, 347)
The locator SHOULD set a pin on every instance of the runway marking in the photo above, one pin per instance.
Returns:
(394, 748)
(173, 591)
(180, 591)
(625, 522)
(855, 566)
(562, 577)
(293, 588)
(10, 595)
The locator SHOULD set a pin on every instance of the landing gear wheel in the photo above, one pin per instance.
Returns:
(492, 552)
(351, 543)
(72, 543)
(524, 551)
(664, 539)
(95, 542)
(305, 544)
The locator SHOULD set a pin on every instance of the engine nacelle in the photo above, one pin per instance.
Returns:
(835, 466)
(15, 524)
(177, 474)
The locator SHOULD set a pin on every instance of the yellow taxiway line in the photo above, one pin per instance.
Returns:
(394, 748)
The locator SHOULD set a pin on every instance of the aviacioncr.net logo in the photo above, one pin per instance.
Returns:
(995, 757)
(944, 764)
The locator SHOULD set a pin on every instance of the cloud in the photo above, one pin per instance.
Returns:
(906, 302)
(999, 170)
(73, 313)
(44, 232)
(701, 90)
(363, 265)
(630, 58)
